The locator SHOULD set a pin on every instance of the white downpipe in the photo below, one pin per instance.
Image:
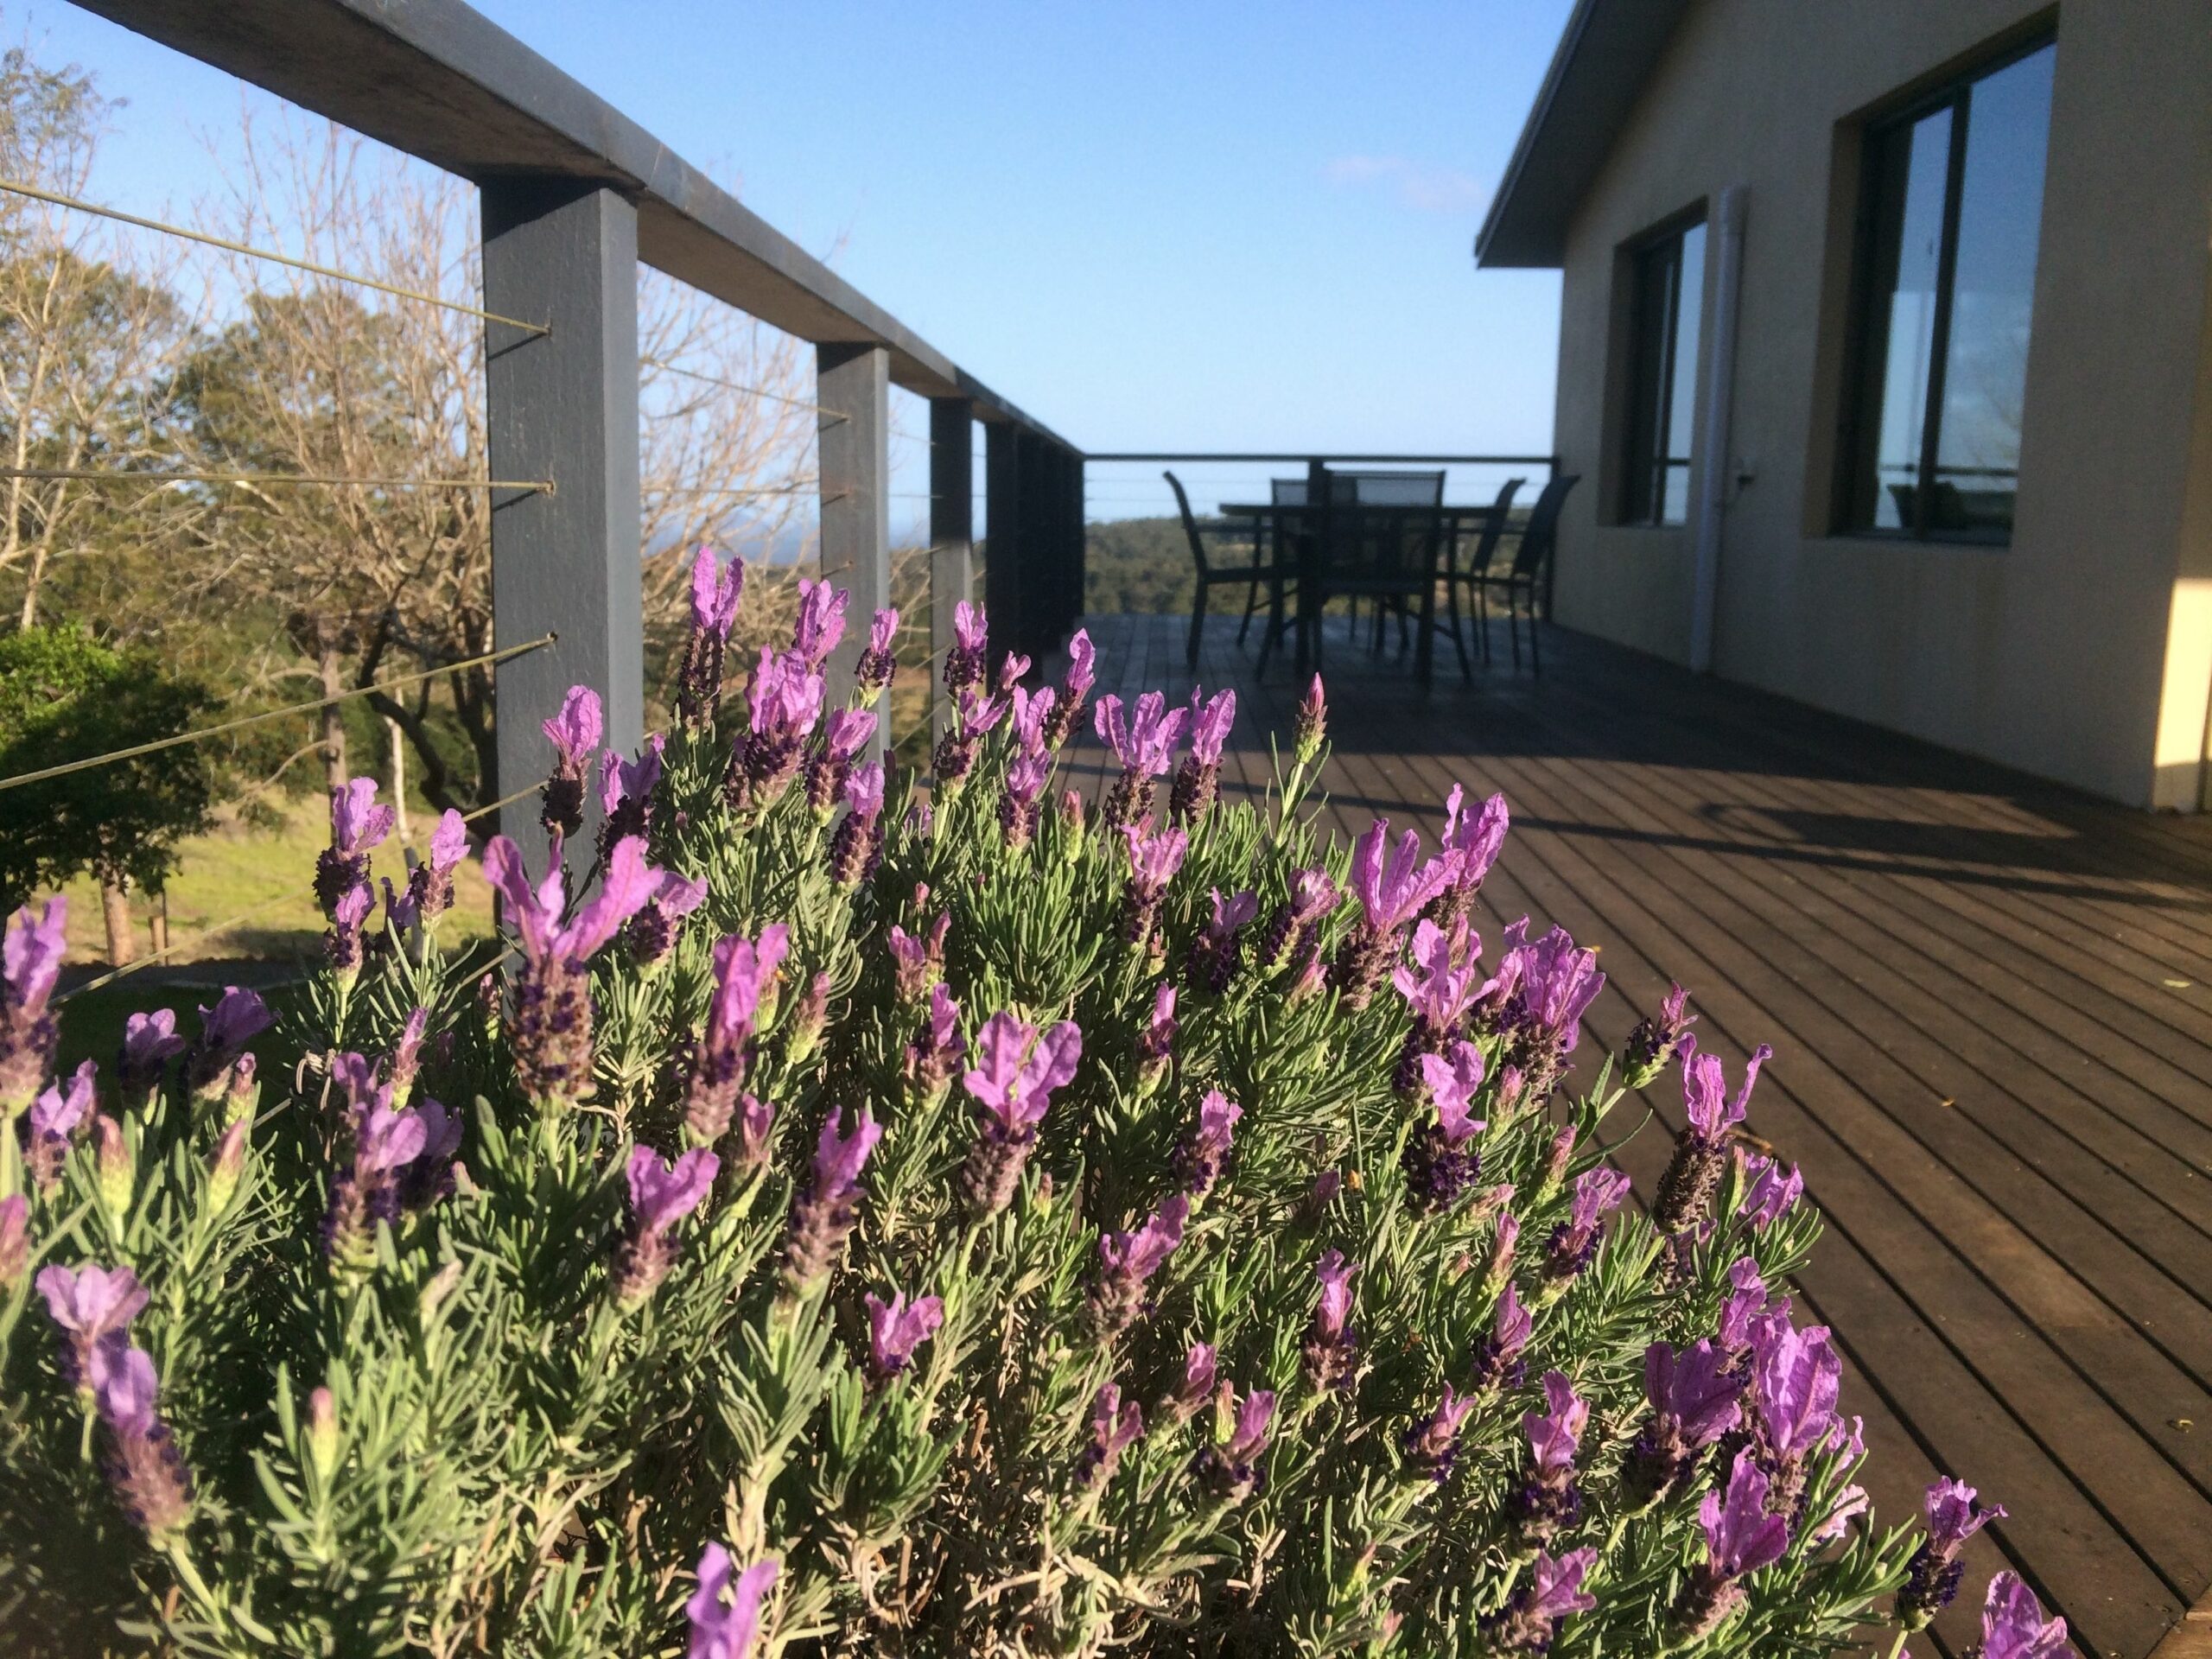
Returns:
(1715, 385)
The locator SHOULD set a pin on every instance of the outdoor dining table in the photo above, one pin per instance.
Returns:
(1289, 523)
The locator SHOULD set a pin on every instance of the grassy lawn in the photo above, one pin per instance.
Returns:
(237, 867)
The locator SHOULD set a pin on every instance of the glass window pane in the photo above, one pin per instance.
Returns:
(1909, 245)
(1682, 397)
(1648, 364)
(1986, 366)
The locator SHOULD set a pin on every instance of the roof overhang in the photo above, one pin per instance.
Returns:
(1603, 57)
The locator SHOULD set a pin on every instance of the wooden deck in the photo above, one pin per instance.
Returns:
(1990, 1004)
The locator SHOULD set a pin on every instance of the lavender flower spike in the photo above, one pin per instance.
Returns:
(821, 1220)
(872, 673)
(1438, 1163)
(1932, 1579)
(965, 664)
(1701, 1157)
(1497, 1361)
(1740, 1537)
(1432, 1445)
(727, 1629)
(94, 1306)
(896, 1328)
(1127, 1263)
(1200, 774)
(56, 1119)
(1391, 895)
(575, 733)
(238, 1017)
(1471, 843)
(1598, 1193)
(1656, 1040)
(1231, 1472)
(1554, 1590)
(144, 1466)
(821, 621)
(715, 590)
(1202, 1157)
(744, 974)
(1769, 1195)
(150, 1043)
(1331, 1346)
(30, 965)
(1694, 1403)
(2013, 1624)
(1114, 1427)
(1313, 725)
(660, 1196)
(1549, 1500)
(15, 1240)
(1153, 859)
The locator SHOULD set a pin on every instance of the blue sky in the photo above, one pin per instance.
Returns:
(1153, 225)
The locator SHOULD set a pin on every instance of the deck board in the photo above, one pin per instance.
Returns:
(1993, 1001)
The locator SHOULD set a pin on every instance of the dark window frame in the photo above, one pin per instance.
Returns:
(1647, 434)
(1857, 476)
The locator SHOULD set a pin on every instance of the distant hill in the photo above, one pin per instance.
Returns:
(1137, 565)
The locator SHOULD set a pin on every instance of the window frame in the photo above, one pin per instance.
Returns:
(1861, 423)
(1641, 499)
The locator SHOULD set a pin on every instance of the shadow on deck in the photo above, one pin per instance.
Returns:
(1991, 1002)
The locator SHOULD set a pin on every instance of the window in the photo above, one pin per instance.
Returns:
(1953, 206)
(1668, 298)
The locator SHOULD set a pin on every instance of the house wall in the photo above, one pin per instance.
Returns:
(2082, 652)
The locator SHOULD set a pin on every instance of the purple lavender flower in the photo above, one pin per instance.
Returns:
(94, 1306)
(357, 823)
(1555, 983)
(626, 791)
(1549, 1499)
(821, 622)
(429, 884)
(1598, 1192)
(726, 1629)
(660, 1196)
(744, 972)
(1931, 1580)
(226, 1165)
(1313, 727)
(1701, 1157)
(917, 959)
(1656, 1040)
(1431, 1446)
(2013, 1624)
(896, 1328)
(237, 1018)
(1144, 743)
(57, 1118)
(1075, 686)
(1498, 1363)
(1747, 1298)
(1013, 667)
(575, 733)
(1795, 1377)
(1769, 1194)
(1331, 1346)
(1293, 930)
(1200, 1159)
(1199, 777)
(1230, 1471)
(1200, 1368)
(150, 1043)
(1153, 859)
(1018, 808)
(384, 1143)
(1439, 1164)
(1390, 894)
(1741, 1536)
(935, 1054)
(1215, 952)
(30, 965)
(1127, 1263)
(1016, 1071)
(1156, 1042)
(857, 846)
(1473, 840)
(650, 934)
(872, 673)
(843, 736)
(144, 1463)
(966, 664)
(715, 590)
(342, 946)
(1554, 1589)
(553, 1012)
(1114, 1427)
(1438, 984)
(1694, 1399)
(15, 1240)
(821, 1220)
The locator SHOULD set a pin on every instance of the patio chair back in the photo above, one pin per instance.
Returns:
(1189, 524)
(1493, 529)
(1541, 533)
(1395, 489)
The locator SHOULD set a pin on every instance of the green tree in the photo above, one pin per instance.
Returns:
(65, 695)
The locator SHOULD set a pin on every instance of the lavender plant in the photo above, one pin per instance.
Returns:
(840, 1220)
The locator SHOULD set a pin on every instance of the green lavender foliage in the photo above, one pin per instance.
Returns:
(513, 1462)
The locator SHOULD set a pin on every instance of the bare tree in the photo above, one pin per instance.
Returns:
(324, 379)
(90, 330)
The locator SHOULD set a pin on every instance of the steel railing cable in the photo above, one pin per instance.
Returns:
(667, 367)
(17, 186)
(111, 475)
(137, 749)
(217, 930)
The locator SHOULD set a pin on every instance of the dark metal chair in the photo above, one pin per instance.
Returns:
(1210, 575)
(1539, 539)
(1474, 575)
(1384, 548)
(1396, 489)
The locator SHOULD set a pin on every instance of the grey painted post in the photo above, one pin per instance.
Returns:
(562, 406)
(1002, 567)
(952, 534)
(853, 389)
